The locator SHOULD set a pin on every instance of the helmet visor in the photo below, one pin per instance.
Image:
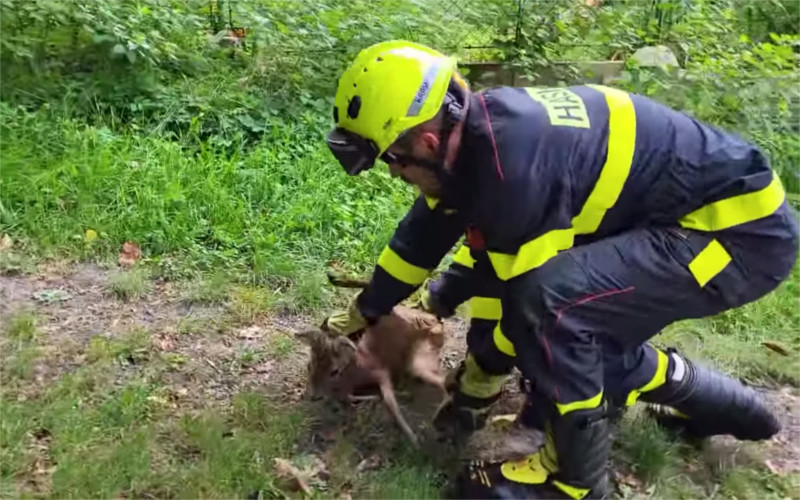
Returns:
(353, 152)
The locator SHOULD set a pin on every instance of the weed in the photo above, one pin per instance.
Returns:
(249, 303)
(234, 459)
(131, 284)
(19, 363)
(213, 289)
(132, 347)
(281, 345)
(405, 477)
(174, 359)
(12, 263)
(100, 349)
(310, 292)
(649, 451)
(20, 327)
(249, 357)
(756, 482)
(200, 325)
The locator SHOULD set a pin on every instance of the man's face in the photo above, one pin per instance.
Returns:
(424, 147)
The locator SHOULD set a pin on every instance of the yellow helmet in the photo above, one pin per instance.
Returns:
(390, 87)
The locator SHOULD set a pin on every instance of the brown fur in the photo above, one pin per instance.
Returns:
(407, 341)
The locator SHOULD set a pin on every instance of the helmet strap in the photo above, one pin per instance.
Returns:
(452, 115)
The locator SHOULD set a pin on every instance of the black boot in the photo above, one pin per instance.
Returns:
(699, 402)
(573, 464)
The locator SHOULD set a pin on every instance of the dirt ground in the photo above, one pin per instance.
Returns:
(73, 306)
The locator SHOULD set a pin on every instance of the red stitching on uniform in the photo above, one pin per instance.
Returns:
(491, 135)
(581, 301)
(590, 298)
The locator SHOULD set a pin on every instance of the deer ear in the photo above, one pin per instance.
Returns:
(310, 337)
(342, 341)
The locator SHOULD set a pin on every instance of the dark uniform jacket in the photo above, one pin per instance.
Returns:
(542, 170)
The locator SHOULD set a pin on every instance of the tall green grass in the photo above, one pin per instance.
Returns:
(278, 209)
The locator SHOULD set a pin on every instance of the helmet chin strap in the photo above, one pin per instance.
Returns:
(452, 115)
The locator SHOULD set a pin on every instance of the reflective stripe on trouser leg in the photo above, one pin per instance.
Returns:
(481, 345)
(709, 262)
(501, 342)
(658, 379)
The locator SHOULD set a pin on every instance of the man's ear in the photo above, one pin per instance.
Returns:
(430, 142)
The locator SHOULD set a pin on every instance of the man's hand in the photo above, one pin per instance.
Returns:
(346, 322)
(428, 303)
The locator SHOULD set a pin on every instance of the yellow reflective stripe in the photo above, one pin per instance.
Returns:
(432, 202)
(619, 157)
(485, 308)
(532, 254)
(502, 343)
(709, 262)
(572, 491)
(464, 257)
(528, 470)
(737, 210)
(586, 404)
(400, 269)
(659, 379)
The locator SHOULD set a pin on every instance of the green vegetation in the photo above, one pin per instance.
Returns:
(140, 121)
(131, 284)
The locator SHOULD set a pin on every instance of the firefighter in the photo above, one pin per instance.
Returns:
(606, 216)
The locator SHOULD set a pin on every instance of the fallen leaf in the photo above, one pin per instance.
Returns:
(295, 478)
(627, 479)
(264, 367)
(5, 242)
(251, 332)
(776, 347)
(372, 462)
(130, 254)
(164, 342)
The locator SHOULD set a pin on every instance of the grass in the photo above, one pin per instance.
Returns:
(248, 303)
(131, 347)
(131, 284)
(280, 214)
(281, 345)
(109, 441)
(647, 450)
(18, 341)
(213, 289)
(20, 327)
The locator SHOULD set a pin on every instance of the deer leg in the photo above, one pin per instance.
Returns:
(391, 402)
